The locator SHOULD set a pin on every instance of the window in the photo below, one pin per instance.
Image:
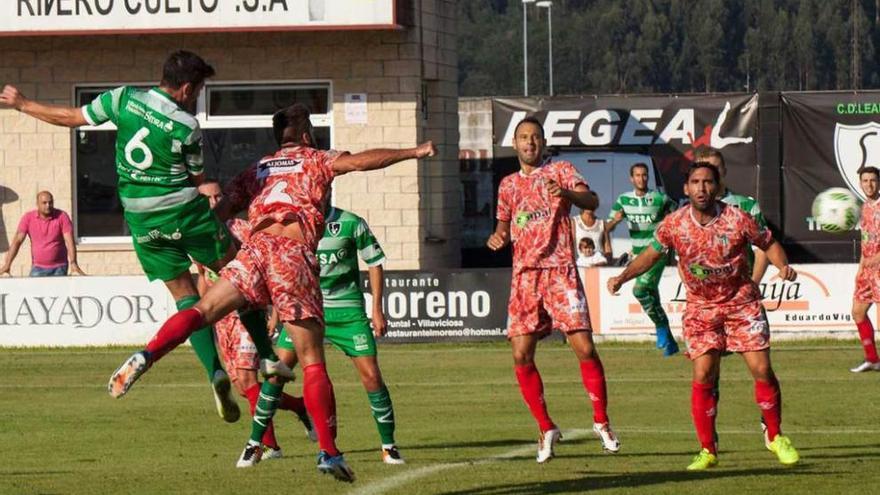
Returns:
(236, 122)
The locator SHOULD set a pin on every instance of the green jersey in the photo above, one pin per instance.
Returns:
(643, 214)
(158, 147)
(747, 204)
(346, 236)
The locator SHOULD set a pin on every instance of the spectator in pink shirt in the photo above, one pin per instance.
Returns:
(52, 248)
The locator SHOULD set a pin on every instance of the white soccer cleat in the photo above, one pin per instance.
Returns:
(767, 441)
(866, 366)
(269, 368)
(251, 455)
(227, 408)
(392, 456)
(125, 376)
(546, 443)
(606, 435)
(270, 453)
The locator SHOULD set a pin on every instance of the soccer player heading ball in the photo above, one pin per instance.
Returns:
(724, 310)
(546, 292)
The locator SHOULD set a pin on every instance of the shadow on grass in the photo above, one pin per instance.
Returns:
(604, 481)
(487, 444)
(33, 473)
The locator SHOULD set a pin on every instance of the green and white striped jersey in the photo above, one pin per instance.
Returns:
(747, 204)
(158, 146)
(346, 236)
(643, 214)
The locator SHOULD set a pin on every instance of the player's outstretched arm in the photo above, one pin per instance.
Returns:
(11, 97)
(380, 158)
(581, 196)
(501, 236)
(613, 221)
(643, 262)
(777, 256)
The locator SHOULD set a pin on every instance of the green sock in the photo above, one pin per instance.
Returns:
(383, 413)
(254, 320)
(267, 404)
(202, 341)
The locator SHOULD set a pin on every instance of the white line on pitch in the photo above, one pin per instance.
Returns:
(396, 481)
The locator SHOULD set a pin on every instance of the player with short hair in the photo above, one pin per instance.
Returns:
(284, 194)
(347, 237)
(757, 258)
(546, 291)
(724, 310)
(159, 166)
(236, 348)
(643, 209)
(867, 291)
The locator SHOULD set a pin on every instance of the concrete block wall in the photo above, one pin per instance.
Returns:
(409, 76)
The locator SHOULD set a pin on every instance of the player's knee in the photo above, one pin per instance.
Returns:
(372, 379)
(859, 315)
(521, 358)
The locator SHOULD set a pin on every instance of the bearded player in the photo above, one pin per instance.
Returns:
(867, 290)
(284, 194)
(546, 291)
(724, 310)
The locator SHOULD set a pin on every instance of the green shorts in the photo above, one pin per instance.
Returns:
(165, 244)
(651, 278)
(348, 329)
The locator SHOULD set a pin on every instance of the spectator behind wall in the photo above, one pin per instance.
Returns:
(53, 251)
(587, 225)
(587, 255)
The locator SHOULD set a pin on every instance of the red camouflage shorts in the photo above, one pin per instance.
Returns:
(733, 328)
(542, 299)
(235, 345)
(867, 286)
(280, 271)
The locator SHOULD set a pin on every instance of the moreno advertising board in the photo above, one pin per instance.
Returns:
(44, 17)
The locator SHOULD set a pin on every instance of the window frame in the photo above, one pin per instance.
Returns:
(205, 122)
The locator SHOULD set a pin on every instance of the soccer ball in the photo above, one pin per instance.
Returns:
(836, 210)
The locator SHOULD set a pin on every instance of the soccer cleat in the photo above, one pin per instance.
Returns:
(609, 440)
(546, 443)
(666, 342)
(269, 368)
(270, 453)
(766, 437)
(866, 366)
(336, 466)
(785, 452)
(702, 461)
(226, 405)
(392, 455)
(124, 377)
(251, 455)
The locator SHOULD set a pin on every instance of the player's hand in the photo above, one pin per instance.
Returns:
(498, 240)
(380, 325)
(614, 284)
(11, 97)
(4, 270)
(76, 270)
(426, 149)
(787, 273)
(553, 188)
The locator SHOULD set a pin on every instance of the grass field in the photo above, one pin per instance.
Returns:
(462, 426)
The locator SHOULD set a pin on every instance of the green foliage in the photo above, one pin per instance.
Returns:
(664, 46)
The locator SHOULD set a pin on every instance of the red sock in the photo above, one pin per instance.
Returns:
(769, 399)
(593, 376)
(253, 394)
(532, 389)
(174, 332)
(291, 403)
(321, 403)
(866, 334)
(703, 409)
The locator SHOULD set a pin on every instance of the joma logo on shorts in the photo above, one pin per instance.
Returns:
(702, 272)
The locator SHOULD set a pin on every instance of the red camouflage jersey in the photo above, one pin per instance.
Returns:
(289, 185)
(539, 225)
(870, 225)
(714, 257)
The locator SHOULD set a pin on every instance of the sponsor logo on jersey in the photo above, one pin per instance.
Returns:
(334, 228)
(642, 218)
(278, 166)
(856, 146)
(524, 217)
(360, 342)
(703, 272)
